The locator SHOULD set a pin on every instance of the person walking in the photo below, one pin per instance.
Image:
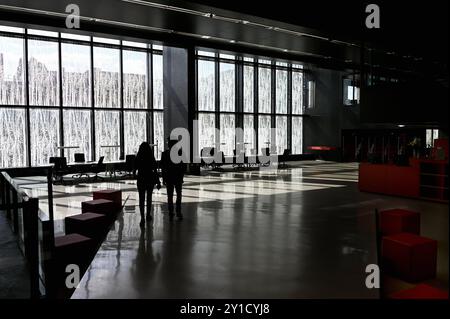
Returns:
(173, 178)
(147, 178)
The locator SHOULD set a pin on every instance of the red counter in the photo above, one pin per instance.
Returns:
(424, 178)
(389, 179)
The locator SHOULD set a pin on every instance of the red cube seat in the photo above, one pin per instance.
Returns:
(396, 221)
(421, 291)
(88, 224)
(99, 206)
(110, 194)
(409, 257)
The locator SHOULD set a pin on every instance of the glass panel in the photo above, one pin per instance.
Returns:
(77, 132)
(311, 94)
(264, 125)
(281, 91)
(75, 37)
(76, 78)
(44, 132)
(297, 93)
(11, 71)
(249, 134)
(158, 82)
(106, 77)
(134, 44)
(264, 90)
(248, 88)
(157, 47)
(43, 76)
(135, 131)
(297, 135)
(206, 53)
(281, 134)
(206, 131)
(281, 64)
(297, 66)
(227, 134)
(134, 79)
(11, 29)
(107, 124)
(264, 61)
(429, 138)
(246, 59)
(105, 40)
(13, 146)
(158, 133)
(227, 87)
(43, 33)
(206, 91)
(227, 56)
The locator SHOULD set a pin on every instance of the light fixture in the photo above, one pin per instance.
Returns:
(205, 37)
(401, 125)
(232, 41)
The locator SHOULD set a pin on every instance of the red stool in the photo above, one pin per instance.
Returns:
(420, 291)
(88, 224)
(110, 194)
(73, 249)
(410, 257)
(99, 206)
(395, 221)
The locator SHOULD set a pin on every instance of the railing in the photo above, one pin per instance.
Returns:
(34, 229)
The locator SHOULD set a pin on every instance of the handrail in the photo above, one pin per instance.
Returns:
(23, 210)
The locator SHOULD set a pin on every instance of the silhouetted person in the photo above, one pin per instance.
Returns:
(147, 178)
(173, 175)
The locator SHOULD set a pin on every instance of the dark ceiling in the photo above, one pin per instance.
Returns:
(409, 29)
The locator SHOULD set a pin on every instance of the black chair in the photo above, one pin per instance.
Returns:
(59, 168)
(79, 158)
(283, 158)
(98, 168)
(130, 165)
(207, 153)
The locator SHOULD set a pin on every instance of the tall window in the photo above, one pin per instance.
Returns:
(206, 88)
(206, 130)
(264, 90)
(44, 132)
(76, 74)
(249, 88)
(135, 79)
(43, 73)
(106, 77)
(77, 132)
(107, 135)
(270, 97)
(12, 71)
(135, 130)
(157, 82)
(81, 94)
(227, 87)
(12, 137)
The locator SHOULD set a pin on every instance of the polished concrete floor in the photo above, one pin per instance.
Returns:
(301, 232)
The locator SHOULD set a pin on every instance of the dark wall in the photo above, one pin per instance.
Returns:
(329, 116)
(403, 103)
